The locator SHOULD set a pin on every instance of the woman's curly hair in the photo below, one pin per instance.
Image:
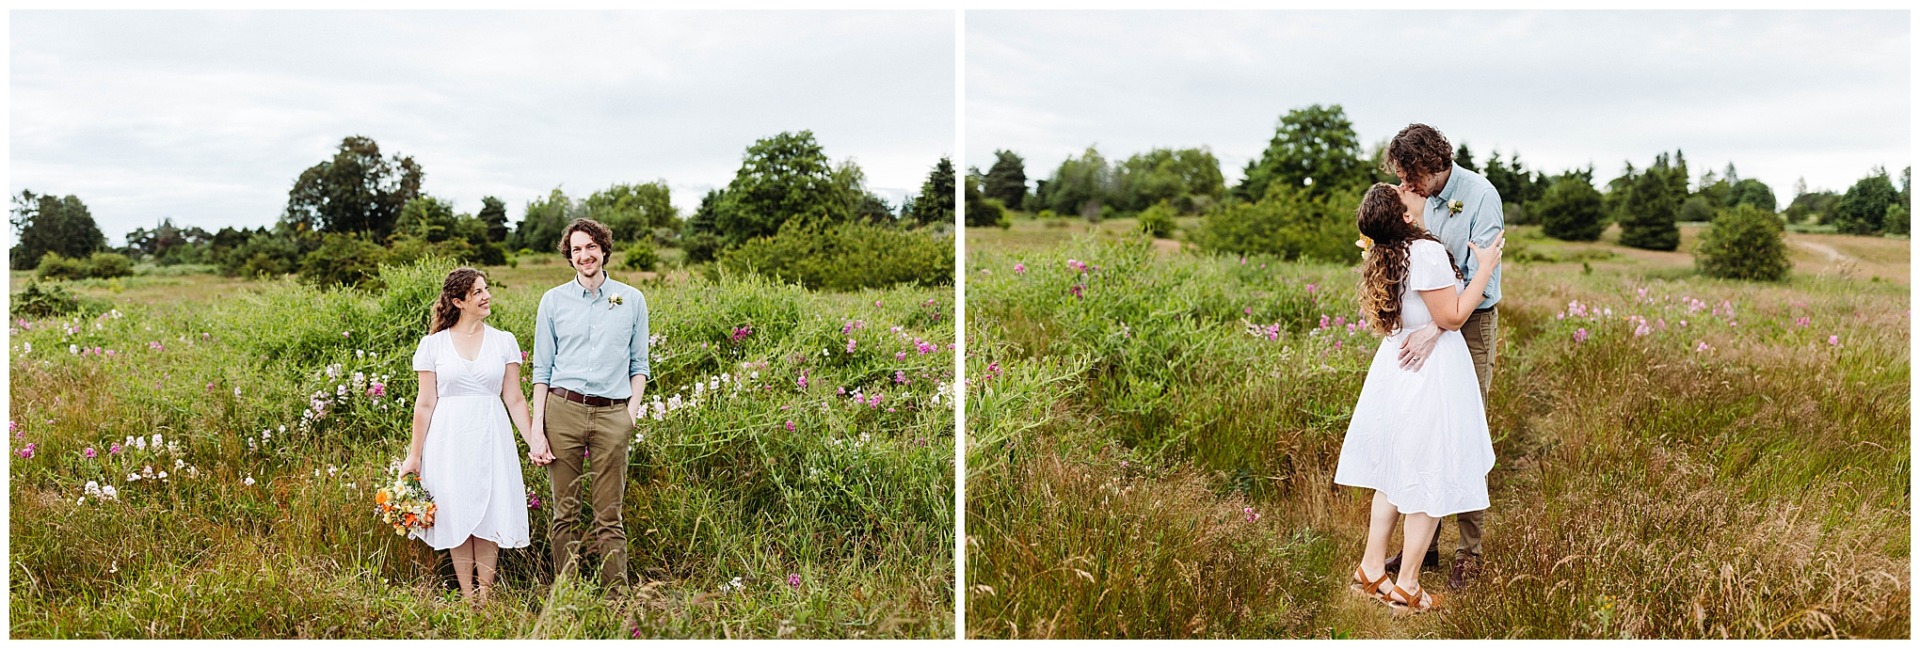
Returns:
(1383, 269)
(459, 283)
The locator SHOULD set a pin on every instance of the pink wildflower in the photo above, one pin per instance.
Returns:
(850, 345)
(1834, 340)
(1019, 268)
(1251, 515)
(27, 452)
(89, 453)
(1580, 335)
(793, 580)
(790, 425)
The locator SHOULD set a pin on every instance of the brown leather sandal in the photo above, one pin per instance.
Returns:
(1369, 588)
(1419, 601)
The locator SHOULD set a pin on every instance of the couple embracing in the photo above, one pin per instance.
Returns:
(590, 367)
(1430, 281)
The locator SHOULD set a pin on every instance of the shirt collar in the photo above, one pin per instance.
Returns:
(1453, 182)
(584, 292)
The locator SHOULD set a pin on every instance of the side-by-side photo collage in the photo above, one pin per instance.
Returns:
(954, 324)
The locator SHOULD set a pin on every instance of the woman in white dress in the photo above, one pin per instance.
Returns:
(463, 421)
(1418, 438)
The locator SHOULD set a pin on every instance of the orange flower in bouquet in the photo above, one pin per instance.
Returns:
(405, 505)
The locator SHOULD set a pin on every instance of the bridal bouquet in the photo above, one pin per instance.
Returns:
(405, 505)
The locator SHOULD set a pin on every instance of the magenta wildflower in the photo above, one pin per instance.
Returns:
(533, 500)
(1077, 265)
(1019, 267)
(377, 390)
(1834, 340)
(899, 356)
(1580, 335)
(1075, 290)
(802, 381)
(850, 345)
(1313, 288)
(741, 333)
(793, 580)
(790, 425)
(899, 376)
(1251, 515)
(13, 426)
(1702, 347)
(89, 453)
(113, 449)
(1800, 321)
(27, 452)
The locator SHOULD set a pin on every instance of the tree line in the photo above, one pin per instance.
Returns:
(1297, 198)
(347, 215)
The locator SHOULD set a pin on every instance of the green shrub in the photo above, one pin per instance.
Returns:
(1572, 210)
(1157, 221)
(1744, 242)
(342, 259)
(55, 267)
(640, 255)
(1898, 220)
(1288, 223)
(40, 301)
(701, 246)
(109, 265)
(847, 256)
(1044, 215)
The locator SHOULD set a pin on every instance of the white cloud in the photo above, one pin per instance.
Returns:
(1824, 95)
(208, 117)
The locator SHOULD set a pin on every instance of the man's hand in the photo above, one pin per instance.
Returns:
(634, 410)
(1418, 345)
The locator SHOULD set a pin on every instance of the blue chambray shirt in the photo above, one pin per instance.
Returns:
(585, 343)
(1480, 220)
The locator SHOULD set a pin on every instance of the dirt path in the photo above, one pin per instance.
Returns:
(1833, 254)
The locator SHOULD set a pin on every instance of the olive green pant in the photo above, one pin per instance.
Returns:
(1482, 331)
(601, 434)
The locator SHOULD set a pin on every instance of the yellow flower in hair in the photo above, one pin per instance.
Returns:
(1364, 243)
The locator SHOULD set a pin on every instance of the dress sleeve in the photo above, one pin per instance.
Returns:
(510, 349)
(1427, 267)
(423, 356)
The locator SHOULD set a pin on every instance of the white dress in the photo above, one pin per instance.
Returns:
(1421, 437)
(469, 461)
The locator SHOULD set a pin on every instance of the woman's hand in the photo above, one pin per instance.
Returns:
(411, 465)
(537, 450)
(1489, 257)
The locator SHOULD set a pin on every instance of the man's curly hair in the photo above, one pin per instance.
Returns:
(1417, 152)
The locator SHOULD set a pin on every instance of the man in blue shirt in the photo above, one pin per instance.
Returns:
(590, 356)
(1461, 207)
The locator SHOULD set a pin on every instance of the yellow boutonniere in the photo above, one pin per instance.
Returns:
(1455, 207)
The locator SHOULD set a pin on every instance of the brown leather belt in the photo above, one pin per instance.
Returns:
(584, 399)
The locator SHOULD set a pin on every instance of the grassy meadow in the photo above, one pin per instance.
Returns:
(1153, 434)
(793, 478)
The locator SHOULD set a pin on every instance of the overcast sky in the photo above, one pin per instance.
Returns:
(209, 117)
(1782, 95)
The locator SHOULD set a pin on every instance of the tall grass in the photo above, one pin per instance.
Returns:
(1153, 440)
(738, 526)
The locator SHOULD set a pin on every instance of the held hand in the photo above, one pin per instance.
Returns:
(537, 450)
(1418, 345)
(1489, 256)
(634, 408)
(410, 465)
